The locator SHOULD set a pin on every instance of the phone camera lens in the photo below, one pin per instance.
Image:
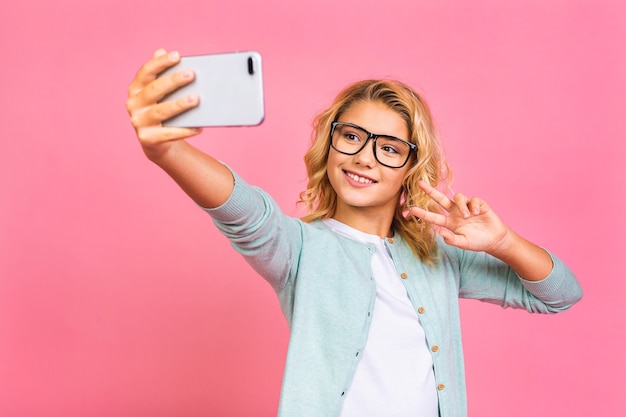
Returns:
(250, 66)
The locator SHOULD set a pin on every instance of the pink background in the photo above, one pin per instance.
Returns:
(119, 298)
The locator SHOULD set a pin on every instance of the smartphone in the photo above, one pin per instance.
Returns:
(230, 87)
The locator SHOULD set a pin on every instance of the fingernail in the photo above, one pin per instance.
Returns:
(191, 98)
(187, 74)
(173, 56)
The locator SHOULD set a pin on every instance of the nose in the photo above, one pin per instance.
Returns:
(366, 155)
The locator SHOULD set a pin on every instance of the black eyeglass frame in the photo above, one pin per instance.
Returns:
(373, 136)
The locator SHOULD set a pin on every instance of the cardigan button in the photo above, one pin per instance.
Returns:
(404, 275)
(435, 348)
(390, 240)
(440, 387)
(421, 310)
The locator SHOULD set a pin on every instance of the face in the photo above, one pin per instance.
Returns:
(362, 184)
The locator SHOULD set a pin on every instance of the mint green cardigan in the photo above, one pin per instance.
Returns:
(326, 290)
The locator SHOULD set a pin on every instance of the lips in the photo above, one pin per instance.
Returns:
(358, 178)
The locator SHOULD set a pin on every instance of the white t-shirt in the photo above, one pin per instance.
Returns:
(395, 376)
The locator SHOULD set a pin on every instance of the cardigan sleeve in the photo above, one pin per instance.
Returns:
(483, 277)
(269, 240)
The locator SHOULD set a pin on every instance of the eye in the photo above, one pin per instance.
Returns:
(390, 145)
(350, 134)
(389, 149)
(353, 137)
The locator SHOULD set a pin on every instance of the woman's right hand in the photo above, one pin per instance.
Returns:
(147, 114)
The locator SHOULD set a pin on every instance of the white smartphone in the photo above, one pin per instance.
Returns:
(230, 87)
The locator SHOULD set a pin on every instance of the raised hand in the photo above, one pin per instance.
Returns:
(206, 180)
(468, 223)
(147, 114)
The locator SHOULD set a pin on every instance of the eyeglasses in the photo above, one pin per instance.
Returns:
(389, 151)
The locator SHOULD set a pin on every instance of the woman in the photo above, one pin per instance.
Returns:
(369, 280)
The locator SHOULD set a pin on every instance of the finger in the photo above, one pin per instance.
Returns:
(160, 61)
(452, 239)
(156, 114)
(429, 216)
(436, 195)
(158, 88)
(163, 85)
(148, 72)
(462, 204)
(159, 52)
(156, 134)
(476, 206)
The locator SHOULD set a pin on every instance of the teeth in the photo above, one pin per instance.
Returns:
(359, 179)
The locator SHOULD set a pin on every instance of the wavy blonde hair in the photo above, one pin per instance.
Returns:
(320, 198)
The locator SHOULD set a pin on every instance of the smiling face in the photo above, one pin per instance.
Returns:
(367, 191)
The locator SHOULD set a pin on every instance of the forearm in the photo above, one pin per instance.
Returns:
(528, 260)
(203, 178)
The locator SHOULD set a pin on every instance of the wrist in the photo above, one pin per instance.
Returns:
(505, 246)
(528, 260)
(160, 153)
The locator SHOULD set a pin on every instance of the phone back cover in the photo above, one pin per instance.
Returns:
(229, 94)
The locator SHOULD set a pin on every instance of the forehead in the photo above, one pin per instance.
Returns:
(376, 117)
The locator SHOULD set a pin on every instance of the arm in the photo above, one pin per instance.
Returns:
(269, 240)
(528, 260)
(488, 279)
(547, 284)
(208, 182)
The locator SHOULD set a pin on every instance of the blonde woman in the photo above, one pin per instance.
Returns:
(369, 280)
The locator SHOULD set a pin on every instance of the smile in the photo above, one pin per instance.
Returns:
(359, 179)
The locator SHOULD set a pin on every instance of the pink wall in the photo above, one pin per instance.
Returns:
(119, 298)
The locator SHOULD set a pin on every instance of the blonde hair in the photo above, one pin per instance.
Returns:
(430, 166)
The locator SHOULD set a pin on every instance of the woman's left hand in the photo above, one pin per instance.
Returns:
(467, 223)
